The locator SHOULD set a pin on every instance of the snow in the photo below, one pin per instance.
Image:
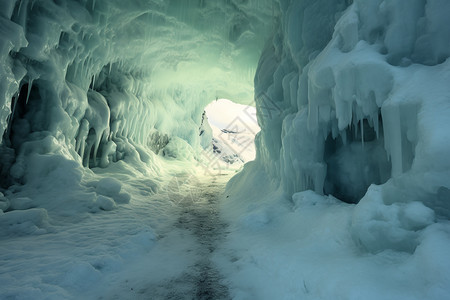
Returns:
(68, 254)
(113, 157)
(133, 251)
(317, 247)
(234, 127)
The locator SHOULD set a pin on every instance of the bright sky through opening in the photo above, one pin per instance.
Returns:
(240, 120)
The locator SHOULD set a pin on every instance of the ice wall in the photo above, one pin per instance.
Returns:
(355, 93)
(99, 81)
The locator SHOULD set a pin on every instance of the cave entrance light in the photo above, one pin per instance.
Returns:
(234, 127)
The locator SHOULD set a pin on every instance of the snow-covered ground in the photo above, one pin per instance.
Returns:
(305, 247)
(138, 250)
(260, 245)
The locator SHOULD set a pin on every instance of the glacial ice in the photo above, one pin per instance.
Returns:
(102, 101)
(103, 98)
(354, 104)
(359, 111)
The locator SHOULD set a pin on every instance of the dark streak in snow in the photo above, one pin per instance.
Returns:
(200, 217)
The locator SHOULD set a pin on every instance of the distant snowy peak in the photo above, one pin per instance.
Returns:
(231, 147)
(228, 131)
(233, 128)
(225, 153)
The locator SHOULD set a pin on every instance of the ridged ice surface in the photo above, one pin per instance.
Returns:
(359, 102)
(103, 136)
(353, 103)
(103, 76)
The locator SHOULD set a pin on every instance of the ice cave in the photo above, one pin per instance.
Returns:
(127, 174)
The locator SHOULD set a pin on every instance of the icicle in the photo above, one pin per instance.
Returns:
(93, 5)
(22, 14)
(110, 66)
(355, 129)
(81, 69)
(75, 69)
(88, 63)
(334, 130)
(376, 126)
(81, 149)
(393, 137)
(344, 137)
(86, 154)
(362, 133)
(83, 131)
(98, 140)
(14, 105)
(325, 132)
(30, 84)
(20, 7)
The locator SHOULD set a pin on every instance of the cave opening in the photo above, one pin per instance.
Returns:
(232, 128)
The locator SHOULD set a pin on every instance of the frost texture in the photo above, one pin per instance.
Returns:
(358, 94)
(107, 79)
(97, 84)
(353, 102)
(364, 100)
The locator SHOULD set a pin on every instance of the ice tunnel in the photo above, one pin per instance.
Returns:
(100, 98)
(106, 77)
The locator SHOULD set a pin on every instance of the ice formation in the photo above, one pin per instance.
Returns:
(353, 103)
(358, 100)
(352, 98)
(102, 81)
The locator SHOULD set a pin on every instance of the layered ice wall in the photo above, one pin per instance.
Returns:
(354, 95)
(100, 81)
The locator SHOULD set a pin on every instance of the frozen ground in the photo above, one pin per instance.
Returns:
(192, 241)
(304, 247)
(159, 246)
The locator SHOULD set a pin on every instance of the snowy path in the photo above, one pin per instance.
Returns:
(199, 215)
(159, 246)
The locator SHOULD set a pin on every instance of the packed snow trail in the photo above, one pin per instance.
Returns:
(197, 204)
